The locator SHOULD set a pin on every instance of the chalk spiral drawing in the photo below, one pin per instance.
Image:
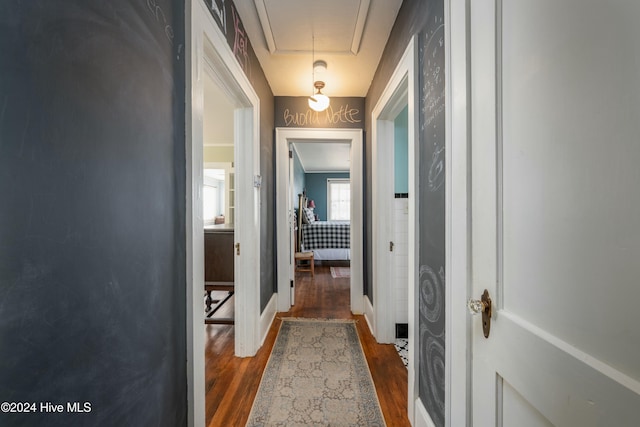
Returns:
(433, 374)
(431, 294)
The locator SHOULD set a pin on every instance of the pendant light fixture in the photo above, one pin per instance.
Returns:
(318, 101)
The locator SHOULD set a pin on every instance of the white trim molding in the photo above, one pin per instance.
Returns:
(458, 210)
(266, 318)
(421, 416)
(368, 312)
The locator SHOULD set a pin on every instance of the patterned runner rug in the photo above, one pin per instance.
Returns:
(317, 375)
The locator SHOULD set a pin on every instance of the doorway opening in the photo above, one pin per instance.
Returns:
(209, 55)
(320, 189)
(397, 101)
(218, 200)
(285, 208)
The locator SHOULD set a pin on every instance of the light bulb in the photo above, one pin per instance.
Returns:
(319, 102)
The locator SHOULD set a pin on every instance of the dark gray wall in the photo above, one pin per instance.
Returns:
(228, 20)
(424, 19)
(268, 248)
(92, 189)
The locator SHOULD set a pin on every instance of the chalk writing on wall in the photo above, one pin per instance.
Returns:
(228, 19)
(218, 9)
(310, 117)
(240, 43)
(157, 11)
(343, 112)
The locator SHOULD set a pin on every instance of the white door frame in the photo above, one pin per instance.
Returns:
(284, 216)
(458, 215)
(208, 51)
(401, 91)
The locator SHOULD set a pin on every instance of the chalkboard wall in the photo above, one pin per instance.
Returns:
(432, 214)
(424, 19)
(343, 112)
(92, 190)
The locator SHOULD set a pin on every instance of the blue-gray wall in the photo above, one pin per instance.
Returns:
(92, 223)
(317, 190)
(299, 179)
(401, 152)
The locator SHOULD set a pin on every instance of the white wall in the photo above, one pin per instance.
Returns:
(401, 261)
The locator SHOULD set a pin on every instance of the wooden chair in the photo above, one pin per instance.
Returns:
(307, 259)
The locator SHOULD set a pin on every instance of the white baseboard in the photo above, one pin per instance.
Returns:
(422, 418)
(368, 314)
(267, 316)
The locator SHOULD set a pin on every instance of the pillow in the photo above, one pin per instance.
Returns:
(309, 216)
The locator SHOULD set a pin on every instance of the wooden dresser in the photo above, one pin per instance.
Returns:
(218, 271)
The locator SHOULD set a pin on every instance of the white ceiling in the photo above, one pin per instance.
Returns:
(287, 35)
(324, 156)
(349, 35)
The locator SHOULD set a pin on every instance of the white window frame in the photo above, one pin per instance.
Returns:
(329, 182)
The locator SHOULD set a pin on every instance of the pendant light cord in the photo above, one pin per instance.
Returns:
(313, 58)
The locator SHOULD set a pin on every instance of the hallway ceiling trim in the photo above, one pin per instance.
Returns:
(350, 35)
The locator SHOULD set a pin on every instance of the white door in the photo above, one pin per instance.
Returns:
(556, 211)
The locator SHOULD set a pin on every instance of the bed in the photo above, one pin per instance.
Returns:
(329, 240)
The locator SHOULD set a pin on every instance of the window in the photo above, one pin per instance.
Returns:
(212, 195)
(210, 203)
(338, 199)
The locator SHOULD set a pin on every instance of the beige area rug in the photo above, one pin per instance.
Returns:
(317, 375)
(340, 272)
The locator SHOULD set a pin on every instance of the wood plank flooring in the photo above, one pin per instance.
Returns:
(232, 382)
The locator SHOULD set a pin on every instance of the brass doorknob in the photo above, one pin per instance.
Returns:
(483, 305)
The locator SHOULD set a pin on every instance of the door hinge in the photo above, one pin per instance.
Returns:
(291, 154)
(391, 245)
(237, 248)
(292, 283)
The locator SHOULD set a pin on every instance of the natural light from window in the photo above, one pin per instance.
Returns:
(212, 195)
(338, 199)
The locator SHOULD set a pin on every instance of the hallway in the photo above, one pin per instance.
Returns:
(232, 382)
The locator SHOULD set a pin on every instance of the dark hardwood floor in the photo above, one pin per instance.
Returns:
(232, 382)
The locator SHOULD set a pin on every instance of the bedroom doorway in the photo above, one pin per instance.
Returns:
(320, 188)
(351, 138)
